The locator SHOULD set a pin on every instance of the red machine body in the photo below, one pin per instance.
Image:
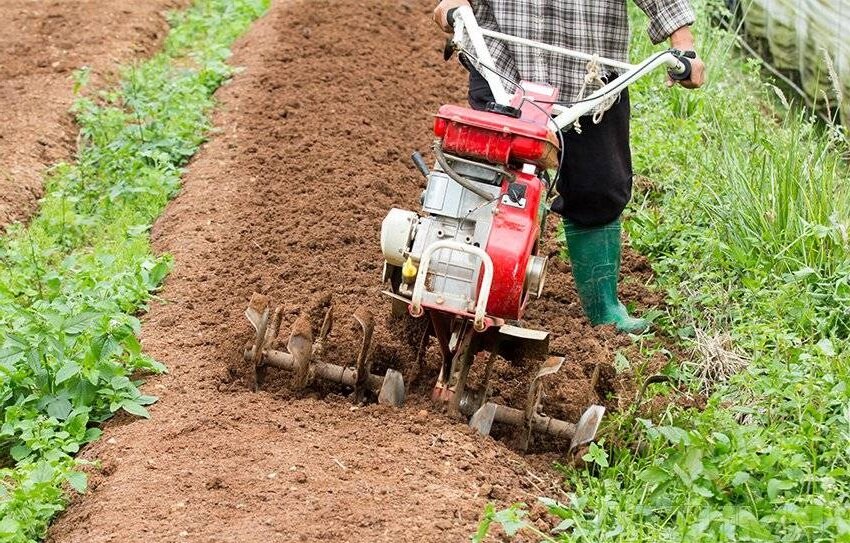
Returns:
(511, 143)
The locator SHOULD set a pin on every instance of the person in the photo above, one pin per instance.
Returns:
(595, 177)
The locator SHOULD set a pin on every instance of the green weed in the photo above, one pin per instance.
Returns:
(745, 220)
(72, 280)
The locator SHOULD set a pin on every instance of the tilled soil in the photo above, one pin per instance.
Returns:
(287, 200)
(42, 44)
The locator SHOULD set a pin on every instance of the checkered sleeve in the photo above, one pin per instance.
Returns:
(666, 16)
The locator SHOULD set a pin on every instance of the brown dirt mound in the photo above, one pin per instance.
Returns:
(42, 44)
(287, 200)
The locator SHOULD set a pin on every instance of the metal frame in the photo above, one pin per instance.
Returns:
(486, 281)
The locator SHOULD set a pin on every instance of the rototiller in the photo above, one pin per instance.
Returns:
(470, 262)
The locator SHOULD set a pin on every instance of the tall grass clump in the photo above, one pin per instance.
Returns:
(744, 211)
(72, 280)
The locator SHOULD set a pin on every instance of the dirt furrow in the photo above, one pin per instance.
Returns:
(287, 199)
(43, 43)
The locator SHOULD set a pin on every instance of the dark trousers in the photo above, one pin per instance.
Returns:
(595, 177)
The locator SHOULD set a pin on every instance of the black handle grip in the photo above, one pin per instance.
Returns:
(686, 74)
(450, 17)
(419, 162)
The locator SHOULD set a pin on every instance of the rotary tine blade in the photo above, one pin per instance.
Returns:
(587, 426)
(258, 315)
(392, 389)
(300, 346)
(363, 317)
(535, 395)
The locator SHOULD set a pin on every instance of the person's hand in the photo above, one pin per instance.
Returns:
(697, 78)
(442, 10)
(683, 40)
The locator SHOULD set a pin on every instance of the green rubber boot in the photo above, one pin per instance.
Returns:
(595, 256)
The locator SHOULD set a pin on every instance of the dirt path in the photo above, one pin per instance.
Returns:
(42, 43)
(287, 200)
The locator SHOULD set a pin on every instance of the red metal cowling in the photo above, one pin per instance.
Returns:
(510, 142)
(511, 243)
(499, 139)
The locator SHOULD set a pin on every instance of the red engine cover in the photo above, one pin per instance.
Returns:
(496, 138)
(510, 142)
(512, 241)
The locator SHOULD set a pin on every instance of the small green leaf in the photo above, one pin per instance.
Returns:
(563, 526)
(43, 473)
(9, 526)
(740, 478)
(484, 524)
(92, 434)
(703, 491)
(511, 519)
(597, 455)
(68, 370)
(135, 409)
(775, 486)
(19, 452)
(78, 323)
(146, 400)
(674, 434)
(826, 347)
(654, 474)
(555, 507)
(158, 273)
(693, 462)
(78, 481)
(59, 408)
(9, 356)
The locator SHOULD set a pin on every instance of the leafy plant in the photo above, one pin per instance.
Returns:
(73, 279)
(745, 219)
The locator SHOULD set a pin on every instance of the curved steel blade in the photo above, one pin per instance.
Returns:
(587, 426)
(392, 390)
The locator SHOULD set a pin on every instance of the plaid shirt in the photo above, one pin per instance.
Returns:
(598, 27)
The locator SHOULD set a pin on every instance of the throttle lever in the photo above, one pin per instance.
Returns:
(448, 49)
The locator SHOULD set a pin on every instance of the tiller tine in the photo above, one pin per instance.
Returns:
(303, 354)
(300, 347)
(587, 426)
(258, 315)
(364, 318)
(532, 420)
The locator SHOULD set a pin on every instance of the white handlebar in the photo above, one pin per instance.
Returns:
(464, 22)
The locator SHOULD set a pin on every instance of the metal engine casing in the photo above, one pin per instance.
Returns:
(499, 155)
(506, 230)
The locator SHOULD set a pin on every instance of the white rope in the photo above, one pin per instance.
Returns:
(593, 81)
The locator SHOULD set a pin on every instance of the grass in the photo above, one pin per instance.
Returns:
(72, 280)
(744, 216)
